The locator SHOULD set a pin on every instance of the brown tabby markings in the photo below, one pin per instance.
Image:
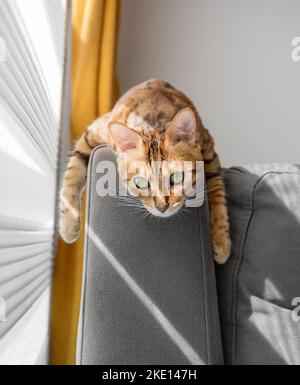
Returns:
(149, 109)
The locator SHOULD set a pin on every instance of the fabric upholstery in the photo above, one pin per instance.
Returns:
(149, 292)
(258, 288)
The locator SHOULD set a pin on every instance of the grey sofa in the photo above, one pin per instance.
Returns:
(259, 287)
(150, 292)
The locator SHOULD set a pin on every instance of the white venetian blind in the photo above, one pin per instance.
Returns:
(31, 83)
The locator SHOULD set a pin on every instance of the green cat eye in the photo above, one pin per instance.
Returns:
(141, 183)
(177, 178)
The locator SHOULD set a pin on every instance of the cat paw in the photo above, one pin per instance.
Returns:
(69, 227)
(222, 251)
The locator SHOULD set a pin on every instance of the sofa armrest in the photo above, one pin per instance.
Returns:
(149, 293)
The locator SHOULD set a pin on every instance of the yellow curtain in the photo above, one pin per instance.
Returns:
(95, 30)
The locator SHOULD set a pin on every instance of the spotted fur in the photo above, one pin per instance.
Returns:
(149, 110)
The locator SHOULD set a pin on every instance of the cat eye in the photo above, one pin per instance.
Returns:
(141, 183)
(177, 178)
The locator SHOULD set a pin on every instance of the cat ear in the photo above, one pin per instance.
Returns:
(124, 138)
(183, 127)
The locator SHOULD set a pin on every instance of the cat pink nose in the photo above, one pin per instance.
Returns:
(162, 207)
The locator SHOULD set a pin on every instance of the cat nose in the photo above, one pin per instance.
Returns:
(162, 207)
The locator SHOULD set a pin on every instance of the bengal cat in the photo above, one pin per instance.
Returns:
(153, 122)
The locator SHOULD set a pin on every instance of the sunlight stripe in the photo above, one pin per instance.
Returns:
(174, 335)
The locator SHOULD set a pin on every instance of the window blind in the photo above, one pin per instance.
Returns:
(34, 112)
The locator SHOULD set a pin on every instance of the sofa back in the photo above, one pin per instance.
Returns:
(259, 288)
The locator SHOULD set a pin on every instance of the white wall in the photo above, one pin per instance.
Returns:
(233, 58)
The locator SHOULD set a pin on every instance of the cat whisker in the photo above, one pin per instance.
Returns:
(184, 212)
(124, 204)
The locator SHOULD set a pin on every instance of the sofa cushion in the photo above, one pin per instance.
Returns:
(259, 288)
(149, 291)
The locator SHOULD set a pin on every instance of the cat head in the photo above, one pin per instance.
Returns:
(159, 167)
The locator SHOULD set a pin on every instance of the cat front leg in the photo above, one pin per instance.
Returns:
(219, 220)
(70, 196)
(217, 200)
(75, 180)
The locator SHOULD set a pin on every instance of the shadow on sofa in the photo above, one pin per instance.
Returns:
(258, 288)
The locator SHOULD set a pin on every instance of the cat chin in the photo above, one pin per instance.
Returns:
(167, 214)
